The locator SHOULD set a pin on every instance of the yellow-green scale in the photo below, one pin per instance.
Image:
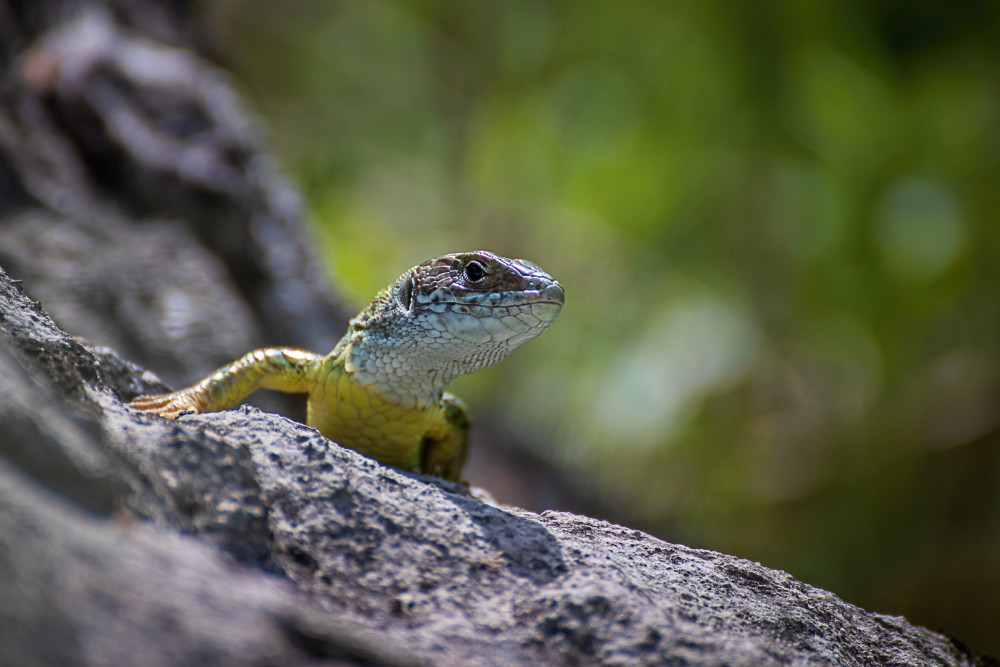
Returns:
(428, 437)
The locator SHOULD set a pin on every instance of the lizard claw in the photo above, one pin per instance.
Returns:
(166, 405)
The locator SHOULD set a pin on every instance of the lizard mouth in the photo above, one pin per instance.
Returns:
(552, 294)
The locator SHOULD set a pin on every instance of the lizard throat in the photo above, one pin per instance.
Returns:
(414, 375)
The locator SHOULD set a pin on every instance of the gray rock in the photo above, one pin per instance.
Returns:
(243, 537)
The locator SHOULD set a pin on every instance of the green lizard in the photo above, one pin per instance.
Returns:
(381, 390)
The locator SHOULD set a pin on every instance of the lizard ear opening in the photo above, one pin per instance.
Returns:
(404, 295)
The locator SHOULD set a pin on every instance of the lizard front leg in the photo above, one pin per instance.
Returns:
(445, 456)
(281, 368)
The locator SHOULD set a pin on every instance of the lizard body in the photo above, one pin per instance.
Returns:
(381, 390)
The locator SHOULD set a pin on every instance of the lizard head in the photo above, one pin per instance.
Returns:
(451, 315)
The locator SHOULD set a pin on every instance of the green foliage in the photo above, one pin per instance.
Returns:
(777, 228)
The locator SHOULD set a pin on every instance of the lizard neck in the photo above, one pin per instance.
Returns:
(375, 369)
(404, 373)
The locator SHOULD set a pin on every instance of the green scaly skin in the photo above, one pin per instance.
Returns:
(381, 390)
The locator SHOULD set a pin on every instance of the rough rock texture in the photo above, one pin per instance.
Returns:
(84, 584)
(137, 207)
(83, 590)
(243, 537)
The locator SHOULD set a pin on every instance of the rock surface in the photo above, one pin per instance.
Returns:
(243, 537)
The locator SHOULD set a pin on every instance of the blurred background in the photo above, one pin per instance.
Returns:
(777, 228)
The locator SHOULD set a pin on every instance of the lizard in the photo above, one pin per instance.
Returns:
(381, 390)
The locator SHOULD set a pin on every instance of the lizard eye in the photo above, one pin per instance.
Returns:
(474, 272)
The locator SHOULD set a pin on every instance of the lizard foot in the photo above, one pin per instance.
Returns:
(167, 405)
